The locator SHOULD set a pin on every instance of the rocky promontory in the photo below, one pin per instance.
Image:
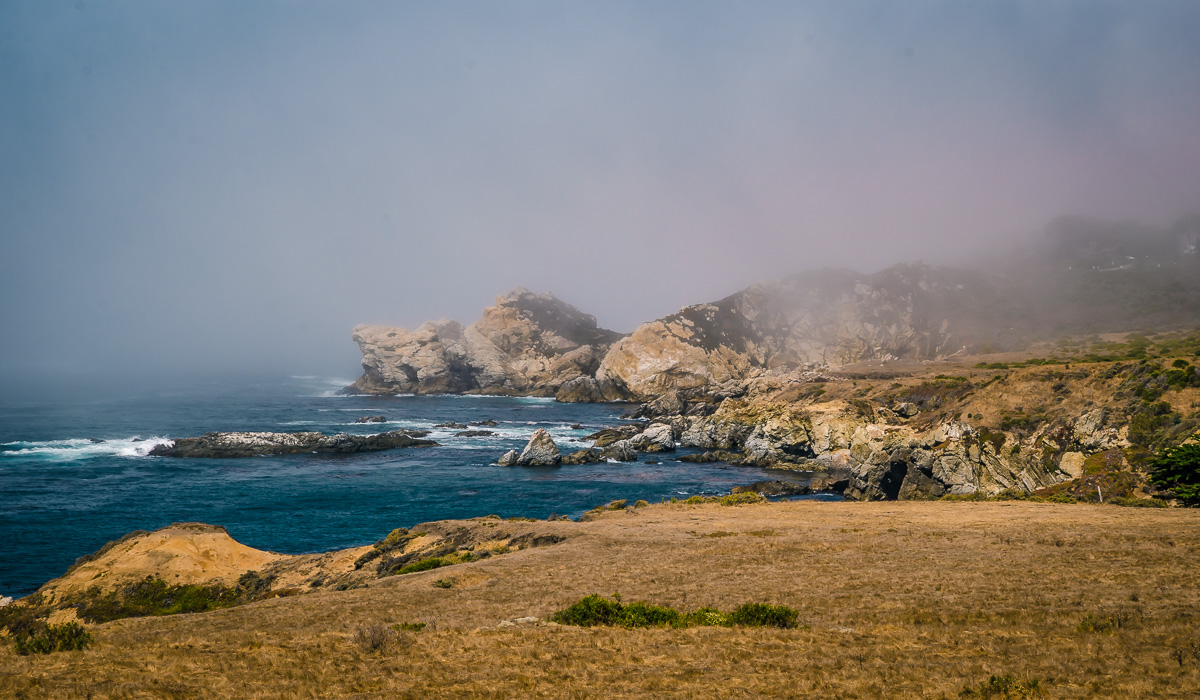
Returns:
(248, 444)
(527, 344)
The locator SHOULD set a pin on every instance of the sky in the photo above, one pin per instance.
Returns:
(211, 186)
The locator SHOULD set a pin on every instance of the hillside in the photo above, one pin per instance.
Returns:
(894, 599)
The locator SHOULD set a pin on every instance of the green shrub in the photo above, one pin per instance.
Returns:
(1178, 470)
(1006, 687)
(590, 611)
(740, 499)
(154, 596)
(422, 565)
(595, 610)
(763, 615)
(409, 626)
(69, 636)
(640, 504)
(443, 583)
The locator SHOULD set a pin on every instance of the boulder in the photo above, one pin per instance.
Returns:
(588, 456)
(620, 451)
(656, 438)
(508, 459)
(540, 451)
(371, 419)
(607, 436)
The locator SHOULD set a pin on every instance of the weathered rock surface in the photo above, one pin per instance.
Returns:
(588, 456)
(508, 459)
(869, 459)
(246, 444)
(655, 438)
(527, 344)
(620, 451)
(540, 451)
(831, 317)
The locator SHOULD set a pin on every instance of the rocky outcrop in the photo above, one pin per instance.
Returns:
(371, 419)
(828, 318)
(540, 451)
(655, 438)
(527, 344)
(241, 444)
(870, 459)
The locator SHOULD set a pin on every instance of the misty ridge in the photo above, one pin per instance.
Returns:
(1081, 277)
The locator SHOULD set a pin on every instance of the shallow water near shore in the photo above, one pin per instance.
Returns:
(74, 475)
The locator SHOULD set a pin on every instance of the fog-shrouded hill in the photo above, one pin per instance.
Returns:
(1082, 277)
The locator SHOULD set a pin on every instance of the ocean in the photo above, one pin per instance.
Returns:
(74, 472)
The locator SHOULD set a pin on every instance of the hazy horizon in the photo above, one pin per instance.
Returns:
(231, 187)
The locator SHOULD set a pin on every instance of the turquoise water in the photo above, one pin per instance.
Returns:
(64, 495)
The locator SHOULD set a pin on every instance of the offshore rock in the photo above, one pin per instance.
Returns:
(527, 344)
(245, 444)
(508, 459)
(620, 451)
(607, 436)
(371, 419)
(589, 456)
(540, 451)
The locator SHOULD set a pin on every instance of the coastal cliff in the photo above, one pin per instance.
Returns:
(527, 344)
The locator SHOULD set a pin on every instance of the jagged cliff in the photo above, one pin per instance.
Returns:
(527, 344)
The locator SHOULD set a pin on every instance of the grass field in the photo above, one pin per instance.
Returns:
(896, 599)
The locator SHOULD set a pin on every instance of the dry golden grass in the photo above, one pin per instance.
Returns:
(897, 600)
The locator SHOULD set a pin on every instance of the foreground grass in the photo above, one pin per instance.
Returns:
(894, 600)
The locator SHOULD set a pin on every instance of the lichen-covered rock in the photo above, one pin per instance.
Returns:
(248, 444)
(540, 451)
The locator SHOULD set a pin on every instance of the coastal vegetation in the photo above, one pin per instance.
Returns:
(594, 610)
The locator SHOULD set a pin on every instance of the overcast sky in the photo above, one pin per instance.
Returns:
(208, 185)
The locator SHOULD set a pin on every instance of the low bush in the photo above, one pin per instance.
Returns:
(377, 638)
(763, 615)
(1006, 687)
(154, 596)
(69, 636)
(595, 611)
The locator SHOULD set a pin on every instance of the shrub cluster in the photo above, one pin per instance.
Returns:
(595, 611)
(69, 636)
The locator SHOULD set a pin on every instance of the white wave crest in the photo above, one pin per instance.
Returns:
(84, 448)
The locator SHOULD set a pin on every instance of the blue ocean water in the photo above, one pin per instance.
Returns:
(63, 494)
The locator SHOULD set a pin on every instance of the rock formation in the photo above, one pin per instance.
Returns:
(527, 344)
(828, 318)
(540, 451)
(240, 444)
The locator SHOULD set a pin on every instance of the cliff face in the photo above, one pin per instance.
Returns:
(829, 318)
(527, 344)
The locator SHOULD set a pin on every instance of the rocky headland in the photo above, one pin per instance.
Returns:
(527, 344)
(889, 385)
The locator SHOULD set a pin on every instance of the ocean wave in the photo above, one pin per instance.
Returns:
(84, 448)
